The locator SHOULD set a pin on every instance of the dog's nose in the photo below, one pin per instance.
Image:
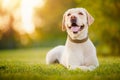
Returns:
(73, 19)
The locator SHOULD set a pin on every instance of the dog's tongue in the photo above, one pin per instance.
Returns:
(75, 29)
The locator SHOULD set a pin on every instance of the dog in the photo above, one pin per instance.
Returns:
(78, 52)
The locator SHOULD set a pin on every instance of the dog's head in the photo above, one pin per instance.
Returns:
(76, 22)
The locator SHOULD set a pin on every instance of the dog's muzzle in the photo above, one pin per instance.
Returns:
(75, 28)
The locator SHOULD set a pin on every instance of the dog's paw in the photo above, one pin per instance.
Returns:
(71, 67)
(87, 68)
(83, 68)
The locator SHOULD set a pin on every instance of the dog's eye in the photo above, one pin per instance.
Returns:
(68, 14)
(80, 13)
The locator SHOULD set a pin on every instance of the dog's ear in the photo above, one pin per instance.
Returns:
(63, 23)
(90, 19)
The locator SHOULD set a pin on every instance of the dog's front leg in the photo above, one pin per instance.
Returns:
(83, 68)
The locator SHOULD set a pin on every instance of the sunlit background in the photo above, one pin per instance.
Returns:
(37, 23)
(18, 18)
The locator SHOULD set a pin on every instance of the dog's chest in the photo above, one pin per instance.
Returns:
(75, 56)
(78, 54)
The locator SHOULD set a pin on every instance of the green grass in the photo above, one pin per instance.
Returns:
(30, 64)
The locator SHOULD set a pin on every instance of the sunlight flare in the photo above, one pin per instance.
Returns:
(23, 12)
(27, 13)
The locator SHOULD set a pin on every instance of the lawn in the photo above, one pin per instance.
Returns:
(29, 64)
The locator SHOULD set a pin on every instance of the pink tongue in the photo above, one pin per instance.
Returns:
(75, 29)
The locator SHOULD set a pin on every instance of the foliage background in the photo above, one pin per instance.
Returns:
(105, 32)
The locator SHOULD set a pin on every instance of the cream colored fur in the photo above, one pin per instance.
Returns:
(75, 55)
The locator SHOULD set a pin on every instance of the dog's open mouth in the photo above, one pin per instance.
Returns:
(76, 28)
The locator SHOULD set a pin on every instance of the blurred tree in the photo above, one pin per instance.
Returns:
(111, 9)
(112, 31)
(7, 36)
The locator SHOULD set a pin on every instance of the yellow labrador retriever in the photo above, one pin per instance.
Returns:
(79, 51)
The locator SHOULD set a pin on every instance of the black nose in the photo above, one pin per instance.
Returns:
(73, 19)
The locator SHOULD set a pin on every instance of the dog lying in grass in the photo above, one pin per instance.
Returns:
(79, 51)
